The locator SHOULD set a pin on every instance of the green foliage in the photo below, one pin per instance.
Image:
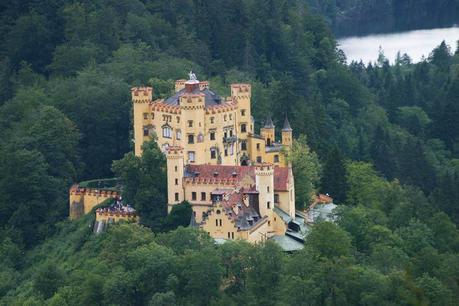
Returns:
(329, 240)
(180, 215)
(65, 75)
(334, 176)
(306, 170)
(145, 183)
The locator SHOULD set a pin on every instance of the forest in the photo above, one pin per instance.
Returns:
(382, 139)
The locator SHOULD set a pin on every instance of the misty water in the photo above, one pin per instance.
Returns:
(416, 44)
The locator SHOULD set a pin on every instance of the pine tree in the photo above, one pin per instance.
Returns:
(334, 176)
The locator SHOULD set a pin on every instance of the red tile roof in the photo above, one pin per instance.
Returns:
(233, 174)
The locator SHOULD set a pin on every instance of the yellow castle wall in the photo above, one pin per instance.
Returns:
(218, 225)
(89, 198)
(230, 116)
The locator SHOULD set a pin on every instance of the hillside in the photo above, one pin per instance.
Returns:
(386, 137)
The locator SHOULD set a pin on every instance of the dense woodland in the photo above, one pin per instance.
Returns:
(357, 17)
(382, 139)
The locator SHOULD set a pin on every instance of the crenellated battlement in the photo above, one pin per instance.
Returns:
(174, 150)
(142, 94)
(264, 169)
(241, 90)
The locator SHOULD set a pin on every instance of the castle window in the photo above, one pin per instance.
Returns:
(276, 158)
(268, 204)
(213, 153)
(269, 223)
(244, 145)
(243, 128)
(218, 211)
(203, 196)
(276, 198)
(258, 146)
(216, 222)
(212, 120)
(224, 117)
(230, 117)
(194, 213)
(152, 115)
(242, 112)
(190, 123)
(229, 235)
(176, 168)
(232, 235)
(191, 139)
(145, 115)
(231, 149)
(226, 151)
(193, 196)
(231, 133)
(176, 181)
(176, 196)
(212, 135)
(178, 119)
(225, 134)
(258, 159)
(191, 156)
(146, 132)
(220, 222)
(178, 134)
(167, 131)
(267, 189)
(200, 137)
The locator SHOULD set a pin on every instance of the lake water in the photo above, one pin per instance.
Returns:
(414, 43)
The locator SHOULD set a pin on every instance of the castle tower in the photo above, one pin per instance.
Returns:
(175, 173)
(242, 93)
(264, 181)
(287, 134)
(141, 99)
(291, 190)
(192, 107)
(268, 132)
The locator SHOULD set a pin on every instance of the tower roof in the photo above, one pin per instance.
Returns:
(269, 123)
(286, 125)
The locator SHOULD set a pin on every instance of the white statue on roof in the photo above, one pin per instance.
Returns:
(192, 76)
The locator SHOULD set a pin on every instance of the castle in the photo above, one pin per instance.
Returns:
(239, 184)
(211, 129)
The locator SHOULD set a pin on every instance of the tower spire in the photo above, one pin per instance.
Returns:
(269, 123)
(286, 125)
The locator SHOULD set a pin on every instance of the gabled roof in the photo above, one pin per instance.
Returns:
(210, 97)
